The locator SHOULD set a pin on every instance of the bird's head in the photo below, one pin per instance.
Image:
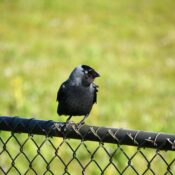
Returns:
(84, 75)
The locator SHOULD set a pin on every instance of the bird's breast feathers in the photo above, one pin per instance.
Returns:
(68, 91)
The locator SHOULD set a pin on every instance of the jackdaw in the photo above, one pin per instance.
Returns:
(78, 93)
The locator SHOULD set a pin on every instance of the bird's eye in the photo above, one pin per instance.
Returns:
(86, 72)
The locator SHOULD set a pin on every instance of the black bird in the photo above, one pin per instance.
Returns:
(78, 93)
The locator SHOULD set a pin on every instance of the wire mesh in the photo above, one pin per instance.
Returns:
(29, 146)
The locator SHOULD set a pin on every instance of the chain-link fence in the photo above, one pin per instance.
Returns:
(29, 146)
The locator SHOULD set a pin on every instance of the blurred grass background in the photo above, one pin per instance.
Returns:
(130, 43)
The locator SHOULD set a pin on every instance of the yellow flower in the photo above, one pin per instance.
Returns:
(16, 84)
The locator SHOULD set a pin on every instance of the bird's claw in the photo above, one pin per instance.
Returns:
(68, 123)
(79, 125)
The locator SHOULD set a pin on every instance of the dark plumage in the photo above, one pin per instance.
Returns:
(77, 95)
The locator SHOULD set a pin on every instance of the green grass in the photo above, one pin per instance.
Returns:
(130, 43)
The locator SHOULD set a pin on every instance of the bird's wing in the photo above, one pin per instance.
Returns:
(61, 92)
(95, 93)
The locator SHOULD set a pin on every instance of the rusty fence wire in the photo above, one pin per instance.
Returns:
(30, 147)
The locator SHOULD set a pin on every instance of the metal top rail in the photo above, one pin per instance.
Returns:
(160, 141)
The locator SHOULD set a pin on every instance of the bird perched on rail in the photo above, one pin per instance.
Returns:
(78, 93)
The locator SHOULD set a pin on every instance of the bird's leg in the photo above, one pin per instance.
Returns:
(68, 120)
(82, 121)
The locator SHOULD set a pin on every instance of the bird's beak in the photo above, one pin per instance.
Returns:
(95, 74)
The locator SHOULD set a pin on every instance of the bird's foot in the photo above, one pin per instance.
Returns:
(68, 123)
(79, 125)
